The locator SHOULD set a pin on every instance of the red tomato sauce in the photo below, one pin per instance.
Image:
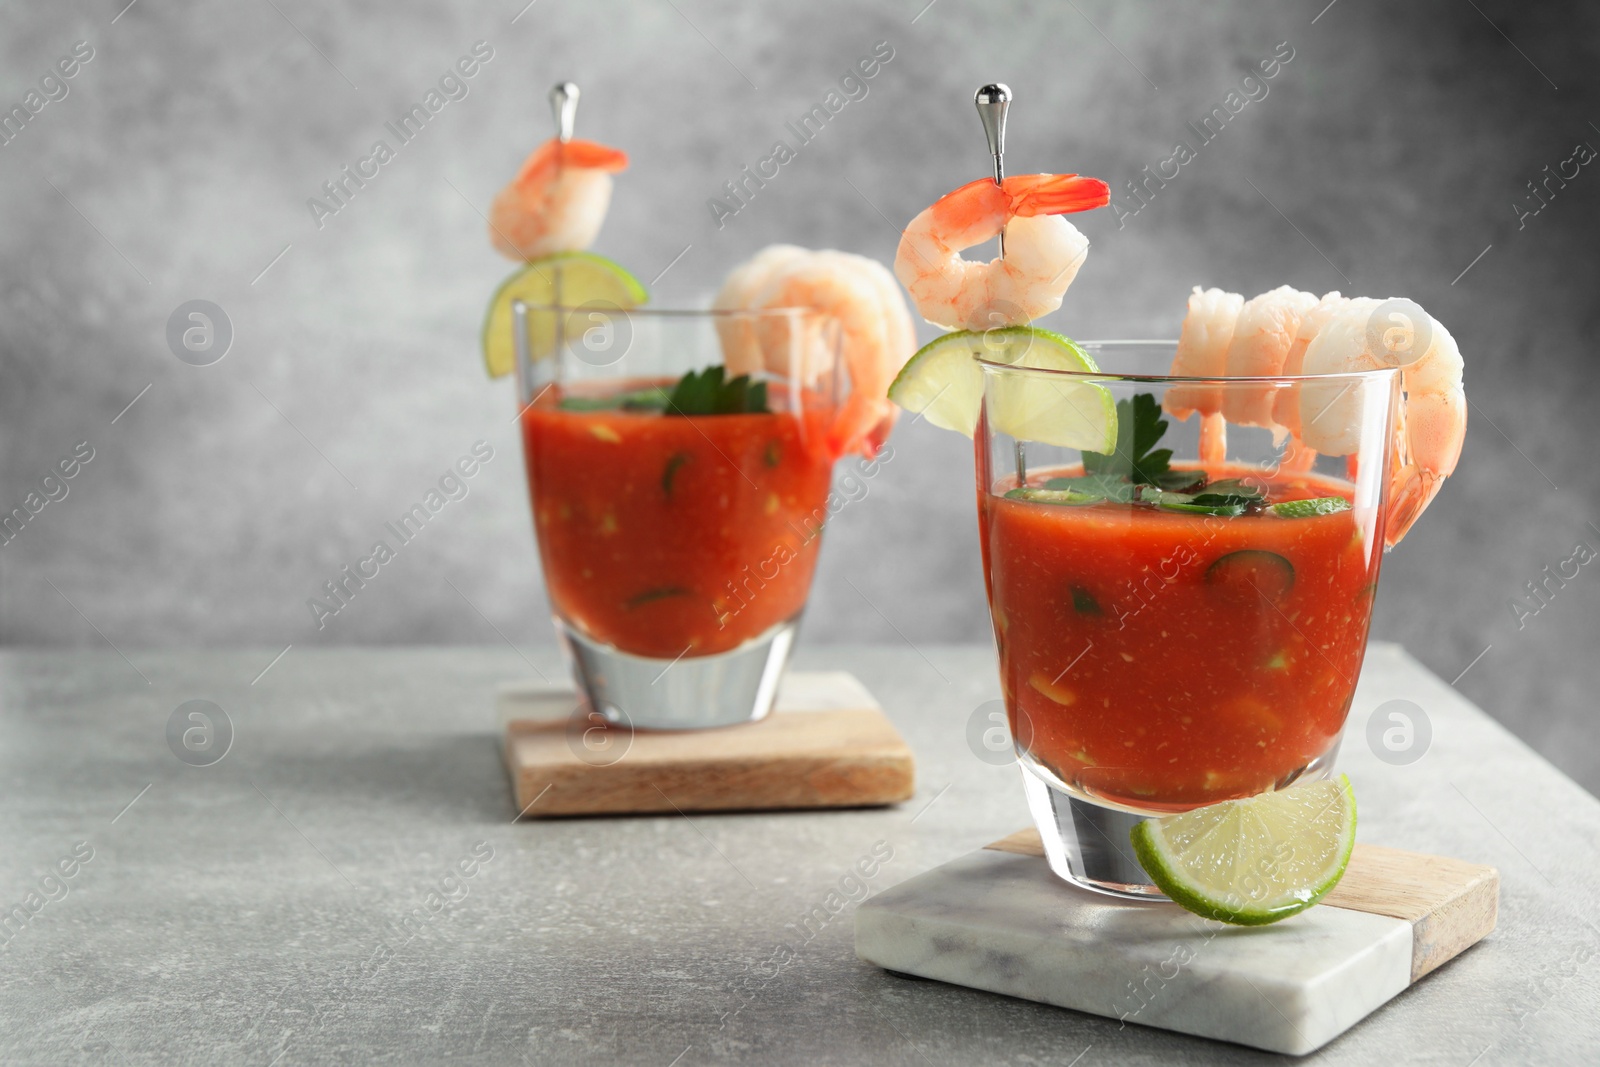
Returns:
(1165, 660)
(676, 535)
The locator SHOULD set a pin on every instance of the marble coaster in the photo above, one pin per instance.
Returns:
(999, 920)
(827, 744)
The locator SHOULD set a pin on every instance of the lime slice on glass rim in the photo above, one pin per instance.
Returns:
(1253, 861)
(944, 384)
(573, 279)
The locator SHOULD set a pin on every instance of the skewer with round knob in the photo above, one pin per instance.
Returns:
(992, 102)
(564, 106)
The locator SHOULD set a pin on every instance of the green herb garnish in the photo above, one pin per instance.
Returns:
(1136, 459)
(704, 392)
(678, 459)
(1227, 492)
(651, 399)
(1083, 601)
(649, 596)
(1139, 472)
(708, 392)
(1100, 485)
(1136, 471)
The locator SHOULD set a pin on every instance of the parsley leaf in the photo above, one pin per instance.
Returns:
(1139, 428)
(1111, 488)
(707, 392)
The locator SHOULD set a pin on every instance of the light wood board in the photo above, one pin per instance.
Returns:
(1451, 904)
(826, 744)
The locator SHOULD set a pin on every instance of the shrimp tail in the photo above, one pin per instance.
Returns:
(555, 155)
(1431, 432)
(1055, 194)
(1042, 250)
(1410, 492)
(862, 425)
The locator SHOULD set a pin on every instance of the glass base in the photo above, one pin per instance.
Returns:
(1087, 840)
(1087, 843)
(688, 693)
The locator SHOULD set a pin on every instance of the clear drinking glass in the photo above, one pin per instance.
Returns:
(1158, 656)
(678, 550)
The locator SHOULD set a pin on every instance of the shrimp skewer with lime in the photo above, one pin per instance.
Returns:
(546, 218)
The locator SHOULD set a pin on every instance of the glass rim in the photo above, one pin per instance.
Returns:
(685, 313)
(1182, 379)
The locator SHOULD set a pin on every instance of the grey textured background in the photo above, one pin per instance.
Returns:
(1393, 146)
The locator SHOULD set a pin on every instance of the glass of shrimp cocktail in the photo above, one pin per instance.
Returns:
(680, 462)
(1181, 540)
(1180, 607)
(678, 506)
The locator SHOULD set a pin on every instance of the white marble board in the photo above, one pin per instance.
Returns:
(999, 920)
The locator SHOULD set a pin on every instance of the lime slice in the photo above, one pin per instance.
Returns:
(944, 384)
(1305, 509)
(572, 279)
(1060, 497)
(1253, 861)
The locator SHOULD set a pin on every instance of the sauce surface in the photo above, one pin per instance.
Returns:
(676, 535)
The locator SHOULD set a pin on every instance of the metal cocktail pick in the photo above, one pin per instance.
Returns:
(564, 106)
(992, 102)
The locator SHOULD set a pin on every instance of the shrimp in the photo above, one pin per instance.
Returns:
(741, 348)
(1262, 336)
(1286, 405)
(557, 201)
(1432, 422)
(876, 332)
(1203, 351)
(1042, 250)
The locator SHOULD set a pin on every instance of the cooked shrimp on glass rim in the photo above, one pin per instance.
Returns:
(876, 332)
(1286, 333)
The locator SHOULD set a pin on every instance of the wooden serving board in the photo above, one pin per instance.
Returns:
(827, 744)
(1000, 920)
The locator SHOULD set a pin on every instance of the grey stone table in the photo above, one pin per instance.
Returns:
(307, 898)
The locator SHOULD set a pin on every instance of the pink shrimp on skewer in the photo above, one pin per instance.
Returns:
(1043, 251)
(557, 201)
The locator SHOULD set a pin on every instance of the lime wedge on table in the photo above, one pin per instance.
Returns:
(1257, 860)
(572, 279)
(944, 383)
